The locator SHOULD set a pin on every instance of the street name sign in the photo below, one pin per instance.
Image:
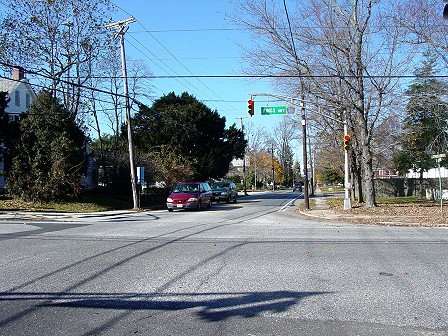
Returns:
(269, 110)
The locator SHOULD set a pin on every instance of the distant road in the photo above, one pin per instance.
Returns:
(250, 268)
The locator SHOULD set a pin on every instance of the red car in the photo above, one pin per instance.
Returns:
(190, 195)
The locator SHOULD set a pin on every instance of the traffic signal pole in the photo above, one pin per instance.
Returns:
(306, 196)
(347, 187)
(244, 158)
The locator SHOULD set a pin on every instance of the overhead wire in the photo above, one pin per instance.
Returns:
(59, 90)
(174, 57)
(137, 102)
(171, 77)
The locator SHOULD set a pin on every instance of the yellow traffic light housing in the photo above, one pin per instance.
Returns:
(346, 142)
(250, 107)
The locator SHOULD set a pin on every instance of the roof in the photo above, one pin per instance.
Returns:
(9, 85)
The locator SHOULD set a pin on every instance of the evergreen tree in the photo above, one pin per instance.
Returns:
(181, 127)
(48, 161)
(426, 121)
(3, 122)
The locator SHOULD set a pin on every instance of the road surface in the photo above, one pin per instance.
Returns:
(251, 268)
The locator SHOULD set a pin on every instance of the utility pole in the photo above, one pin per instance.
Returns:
(123, 27)
(347, 186)
(244, 158)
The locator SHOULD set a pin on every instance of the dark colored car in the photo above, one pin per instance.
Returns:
(224, 191)
(190, 195)
(297, 187)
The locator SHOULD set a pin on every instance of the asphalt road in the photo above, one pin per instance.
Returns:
(250, 268)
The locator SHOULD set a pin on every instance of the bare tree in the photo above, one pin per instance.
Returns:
(343, 52)
(107, 105)
(285, 133)
(425, 26)
(58, 40)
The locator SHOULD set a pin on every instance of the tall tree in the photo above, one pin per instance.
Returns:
(284, 134)
(425, 129)
(425, 26)
(9, 130)
(4, 122)
(60, 40)
(186, 127)
(332, 47)
(49, 158)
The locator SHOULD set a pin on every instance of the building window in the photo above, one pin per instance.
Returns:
(28, 100)
(17, 98)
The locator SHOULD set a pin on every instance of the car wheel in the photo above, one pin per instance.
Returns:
(170, 210)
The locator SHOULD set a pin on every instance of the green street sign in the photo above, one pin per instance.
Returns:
(273, 110)
(268, 110)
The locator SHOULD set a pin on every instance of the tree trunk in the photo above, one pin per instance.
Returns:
(420, 179)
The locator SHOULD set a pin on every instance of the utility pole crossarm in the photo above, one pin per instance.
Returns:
(121, 23)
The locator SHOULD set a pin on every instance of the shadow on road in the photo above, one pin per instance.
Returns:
(214, 306)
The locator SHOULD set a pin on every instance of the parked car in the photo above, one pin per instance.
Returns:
(224, 191)
(190, 195)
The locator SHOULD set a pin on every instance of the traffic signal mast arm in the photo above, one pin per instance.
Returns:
(347, 200)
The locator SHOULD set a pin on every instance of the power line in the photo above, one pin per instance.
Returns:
(138, 103)
(59, 90)
(176, 59)
(275, 76)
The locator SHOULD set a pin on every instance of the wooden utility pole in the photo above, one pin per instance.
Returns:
(122, 29)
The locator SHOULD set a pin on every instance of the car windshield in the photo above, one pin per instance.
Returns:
(220, 185)
(186, 188)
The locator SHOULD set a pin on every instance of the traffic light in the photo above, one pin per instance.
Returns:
(346, 142)
(250, 107)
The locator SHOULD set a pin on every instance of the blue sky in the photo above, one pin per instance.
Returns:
(194, 38)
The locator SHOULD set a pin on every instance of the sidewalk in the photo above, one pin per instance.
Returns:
(321, 210)
(37, 215)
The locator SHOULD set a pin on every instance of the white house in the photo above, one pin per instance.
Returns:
(19, 91)
(20, 94)
(431, 173)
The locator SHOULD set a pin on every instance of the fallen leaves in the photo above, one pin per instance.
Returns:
(417, 214)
